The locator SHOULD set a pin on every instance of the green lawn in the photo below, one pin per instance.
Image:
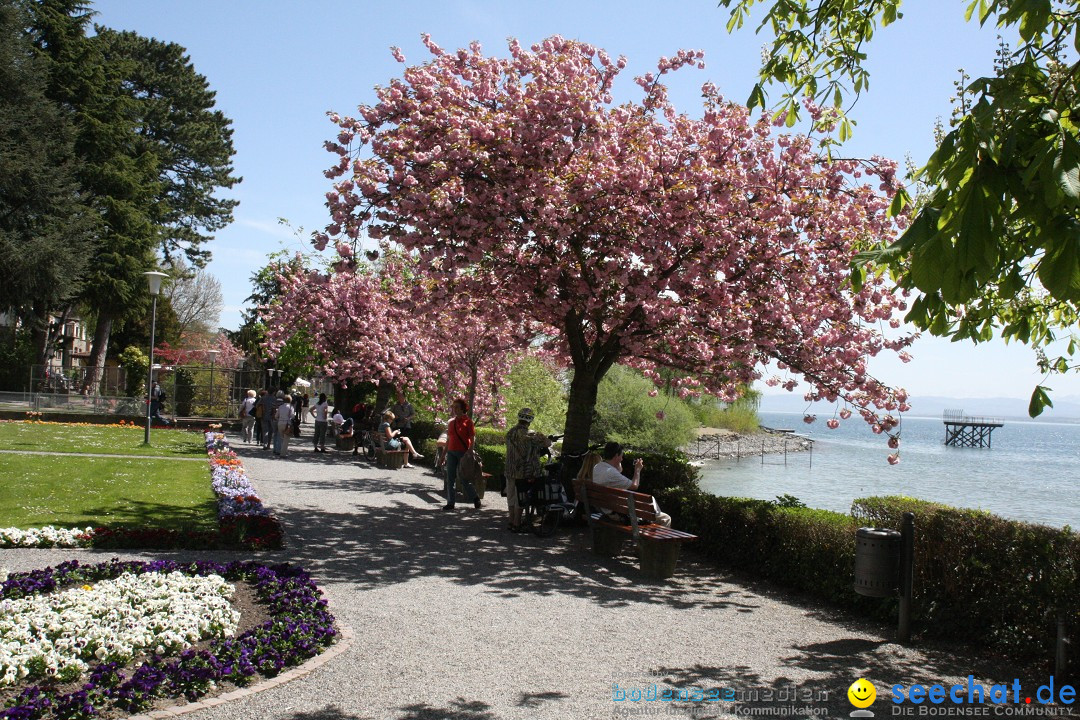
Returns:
(58, 437)
(40, 490)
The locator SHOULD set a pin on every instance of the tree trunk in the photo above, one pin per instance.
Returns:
(96, 364)
(384, 395)
(580, 408)
(471, 393)
(39, 333)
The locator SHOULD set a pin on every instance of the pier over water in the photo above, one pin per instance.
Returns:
(964, 431)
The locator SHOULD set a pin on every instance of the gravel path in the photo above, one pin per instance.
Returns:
(456, 618)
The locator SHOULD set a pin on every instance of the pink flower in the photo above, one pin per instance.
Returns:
(845, 414)
(876, 429)
(654, 392)
(808, 419)
(894, 459)
(894, 442)
(833, 423)
(660, 415)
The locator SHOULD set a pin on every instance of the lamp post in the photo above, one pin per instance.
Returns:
(153, 279)
(213, 356)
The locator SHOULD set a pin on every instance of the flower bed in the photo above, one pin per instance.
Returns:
(243, 520)
(299, 628)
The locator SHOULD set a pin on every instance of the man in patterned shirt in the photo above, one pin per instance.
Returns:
(523, 450)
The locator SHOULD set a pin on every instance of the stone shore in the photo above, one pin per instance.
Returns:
(718, 443)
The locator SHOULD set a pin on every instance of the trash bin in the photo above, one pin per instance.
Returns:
(877, 562)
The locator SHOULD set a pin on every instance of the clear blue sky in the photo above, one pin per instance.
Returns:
(278, 66)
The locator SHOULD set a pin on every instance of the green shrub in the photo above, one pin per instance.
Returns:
(982, 577)
(494, 458)
(662, 470)
(809, 550)
(490, 436)
(532, 383)
(627, 414)
(979, 578)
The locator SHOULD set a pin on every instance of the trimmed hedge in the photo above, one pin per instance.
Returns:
(982, 577)
(979, 578)
(801, 548)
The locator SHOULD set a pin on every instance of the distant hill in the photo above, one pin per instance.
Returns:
(1066, 408)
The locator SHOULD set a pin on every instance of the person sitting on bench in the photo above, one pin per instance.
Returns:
(392, 441)
(608, 473)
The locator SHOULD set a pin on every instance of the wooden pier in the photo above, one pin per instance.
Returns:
(964, 431)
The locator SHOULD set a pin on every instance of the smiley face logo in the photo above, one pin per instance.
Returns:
(862, 693)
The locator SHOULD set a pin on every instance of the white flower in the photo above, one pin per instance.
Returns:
(114, 620)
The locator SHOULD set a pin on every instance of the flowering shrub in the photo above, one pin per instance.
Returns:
(299, 628)
(243, 518)
(56, 635)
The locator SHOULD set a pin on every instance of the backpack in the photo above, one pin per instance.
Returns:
(260, 409)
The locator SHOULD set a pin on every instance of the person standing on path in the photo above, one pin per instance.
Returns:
(275, 406)
(460, 435)
(523, 450)
(259, 413)
(284, 427)
(247, 415)
(267, 402)
(319, 411)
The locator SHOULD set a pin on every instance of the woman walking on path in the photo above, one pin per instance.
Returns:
(319, 410)
(284, 427)
(247, 415)
(459, 438)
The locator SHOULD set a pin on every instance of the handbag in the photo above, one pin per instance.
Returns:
(471, 467)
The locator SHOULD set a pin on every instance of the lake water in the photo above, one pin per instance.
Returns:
(1031, 473)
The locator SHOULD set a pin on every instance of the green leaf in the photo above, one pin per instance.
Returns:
(1040, 400)
(757, 98)
(1059, 269)
(899, 202)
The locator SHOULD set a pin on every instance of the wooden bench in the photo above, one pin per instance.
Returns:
(389, 459)
(659, 546)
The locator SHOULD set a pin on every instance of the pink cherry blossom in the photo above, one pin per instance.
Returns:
(833, 423)
(894, 458)
(631, 233)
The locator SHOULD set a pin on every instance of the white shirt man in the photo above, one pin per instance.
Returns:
(609, 474)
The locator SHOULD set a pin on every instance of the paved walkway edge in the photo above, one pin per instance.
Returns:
(344, 643)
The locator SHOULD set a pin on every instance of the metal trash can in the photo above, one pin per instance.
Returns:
(877, 562)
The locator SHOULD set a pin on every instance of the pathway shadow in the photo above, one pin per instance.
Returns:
(459, 709)
(330, 712)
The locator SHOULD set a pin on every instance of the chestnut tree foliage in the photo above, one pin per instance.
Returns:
(624, 232)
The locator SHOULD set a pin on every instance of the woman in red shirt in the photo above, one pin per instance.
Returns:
(459, 438)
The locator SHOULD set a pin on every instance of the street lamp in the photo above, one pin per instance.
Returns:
(153, 279)
(213, 356)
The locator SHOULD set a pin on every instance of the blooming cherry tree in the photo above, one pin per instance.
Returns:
(626, 232)
(378, 324)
